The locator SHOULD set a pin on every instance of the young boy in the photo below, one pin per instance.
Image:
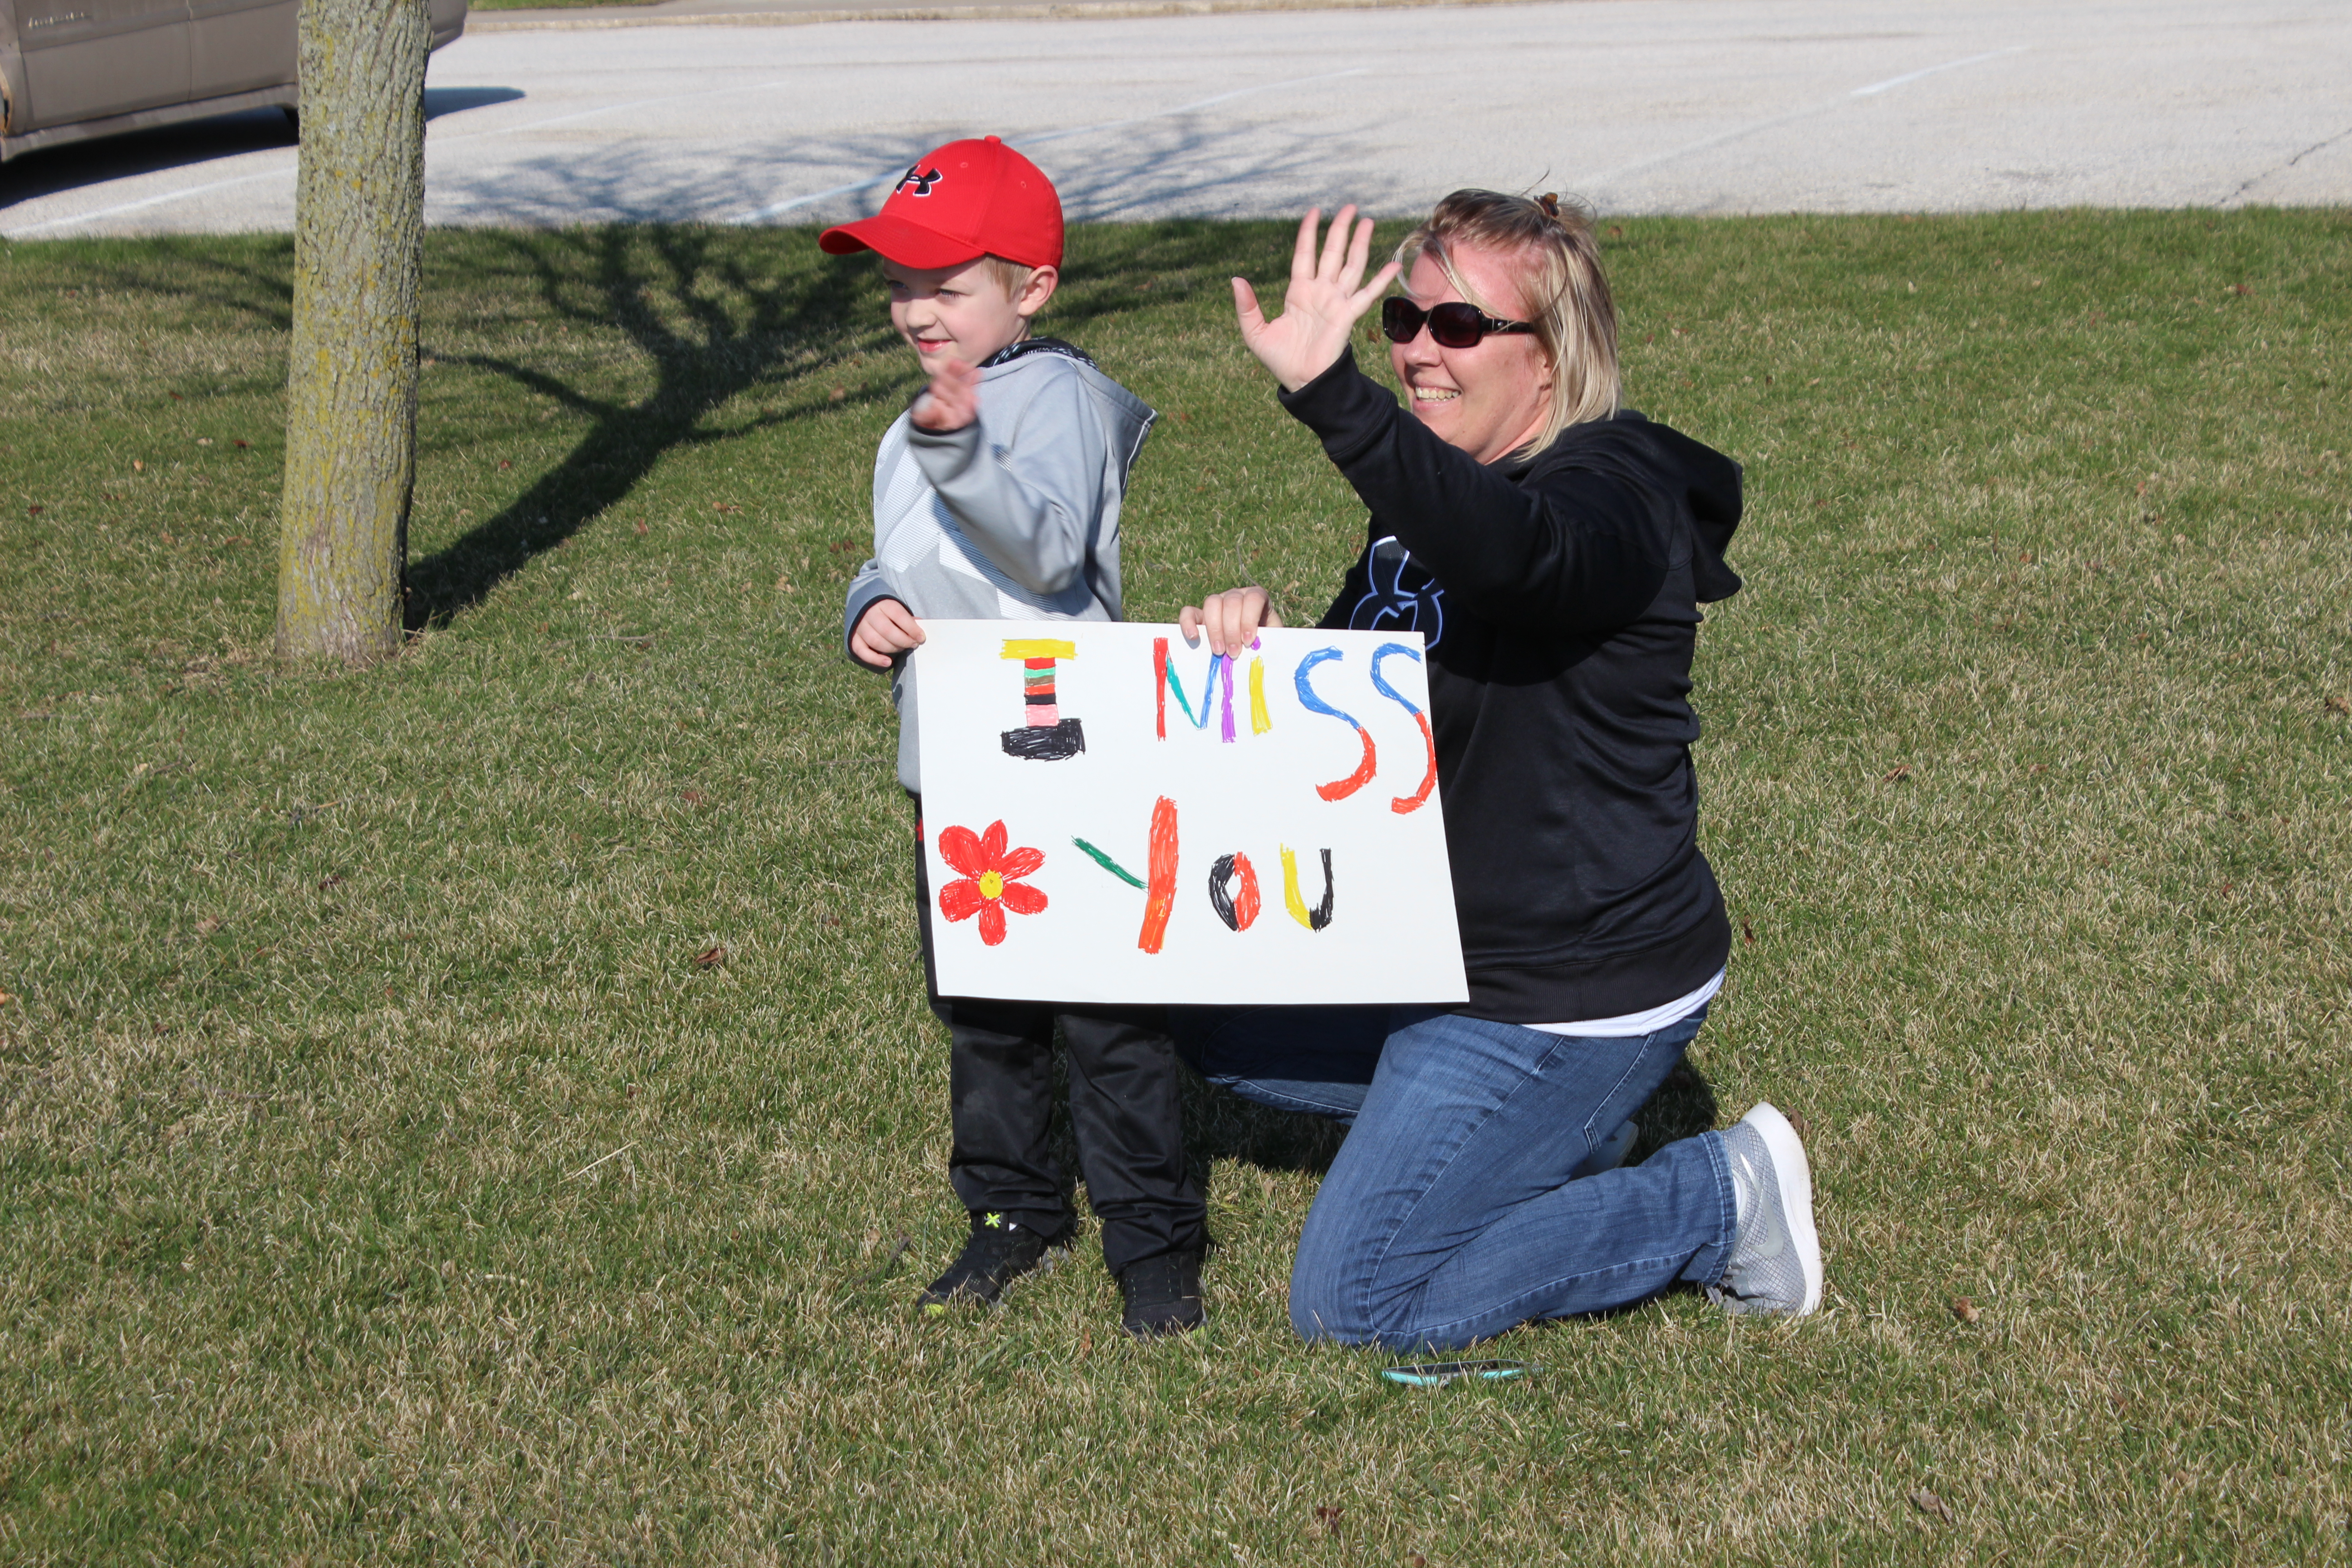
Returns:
(996, 497)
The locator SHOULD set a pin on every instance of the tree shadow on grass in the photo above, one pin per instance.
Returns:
(714, 317)
(717, 312)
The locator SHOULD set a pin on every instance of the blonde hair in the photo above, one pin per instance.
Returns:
(1010, 276)
(1568, 298)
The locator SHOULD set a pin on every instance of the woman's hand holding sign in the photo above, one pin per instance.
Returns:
(1229, 620)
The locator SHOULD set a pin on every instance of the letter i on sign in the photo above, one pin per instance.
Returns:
(1047, 736)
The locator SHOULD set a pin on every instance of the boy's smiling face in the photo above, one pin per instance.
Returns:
(963, 313)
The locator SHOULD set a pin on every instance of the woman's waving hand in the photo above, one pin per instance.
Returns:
(1326, 299)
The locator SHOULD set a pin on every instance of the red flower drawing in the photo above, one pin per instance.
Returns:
(992, 882)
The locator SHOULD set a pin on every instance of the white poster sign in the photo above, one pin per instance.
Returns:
(1112, 815)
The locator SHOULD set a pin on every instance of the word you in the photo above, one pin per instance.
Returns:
(1233, 883)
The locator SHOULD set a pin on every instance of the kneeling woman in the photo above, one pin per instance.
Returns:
(1552, 549)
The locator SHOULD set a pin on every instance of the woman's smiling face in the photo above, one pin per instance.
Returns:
(1491, 398)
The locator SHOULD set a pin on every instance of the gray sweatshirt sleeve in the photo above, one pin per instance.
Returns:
(1030, 499)
(866, 590)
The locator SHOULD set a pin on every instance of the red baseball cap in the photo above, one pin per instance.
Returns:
(966, 200)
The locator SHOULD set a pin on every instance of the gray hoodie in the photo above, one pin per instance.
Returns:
(1015, 517)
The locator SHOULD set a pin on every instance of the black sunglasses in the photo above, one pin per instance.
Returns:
(1453, 324)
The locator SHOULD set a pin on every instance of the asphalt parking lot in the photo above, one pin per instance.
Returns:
(1641, 106)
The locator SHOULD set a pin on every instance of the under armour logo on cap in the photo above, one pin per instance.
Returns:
(920, 179)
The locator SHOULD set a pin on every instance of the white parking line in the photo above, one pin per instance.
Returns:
(1757, 127)
(93, 215)
(773, 208)
(431, 141)
(1878, 87)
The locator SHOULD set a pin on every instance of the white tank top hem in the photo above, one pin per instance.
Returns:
(1644, 1023)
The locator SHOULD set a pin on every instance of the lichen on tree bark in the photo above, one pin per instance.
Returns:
(350, 384)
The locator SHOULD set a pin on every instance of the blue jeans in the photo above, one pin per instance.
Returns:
(1452, 1212)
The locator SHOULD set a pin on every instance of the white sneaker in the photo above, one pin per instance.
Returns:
(1776, 1261)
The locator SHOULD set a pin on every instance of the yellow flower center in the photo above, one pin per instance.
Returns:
(991, 886)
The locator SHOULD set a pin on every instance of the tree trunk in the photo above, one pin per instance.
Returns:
(350, 386)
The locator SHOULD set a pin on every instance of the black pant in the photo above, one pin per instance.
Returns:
(1126, 1107)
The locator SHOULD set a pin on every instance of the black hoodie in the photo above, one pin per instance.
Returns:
(1560, 600)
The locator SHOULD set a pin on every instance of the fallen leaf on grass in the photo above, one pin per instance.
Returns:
(692, 796)
(391, 994)
(244, 444)
(1927, 1502)
(836, 395)
(711, 957)
(840, 544)
(642, 529)
(1899, 771)
(1797, 1120)
(1965, 1310)
(724, 506)
(1748, 932)
(33, 511)
(209, 924)
(6, 998)
(203, 440)
(332, 880)
(506, 462)
(2340, 704)
(1328, 1516)
(237, 539)
(137, 466)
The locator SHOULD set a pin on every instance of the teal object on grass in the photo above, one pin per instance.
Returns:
(1437, 1373)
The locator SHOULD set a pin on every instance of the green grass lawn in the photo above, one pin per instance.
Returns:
(385, 1179)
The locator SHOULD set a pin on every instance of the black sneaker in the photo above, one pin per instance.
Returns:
(1162, 1295)
(999, 1251)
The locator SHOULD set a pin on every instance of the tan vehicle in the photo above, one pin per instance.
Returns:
(72, 70)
